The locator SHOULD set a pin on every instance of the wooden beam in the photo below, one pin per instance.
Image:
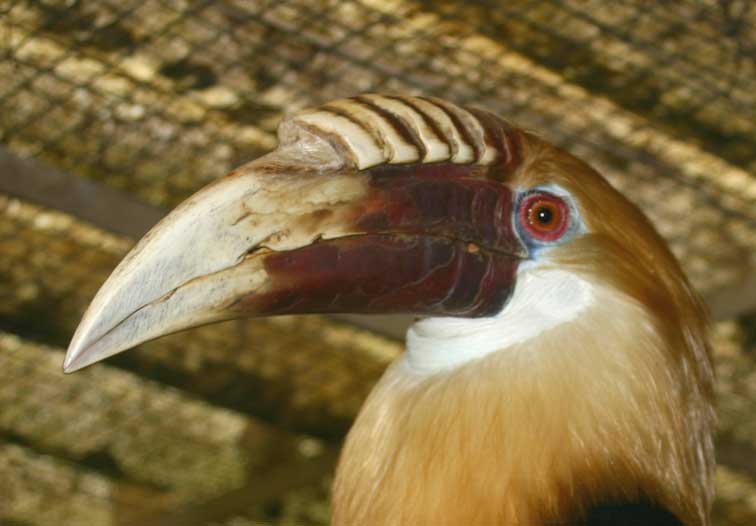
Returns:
(120, 425)
(66, 492)
(269, 485)
(735, 300)
(101, 205)
(736, 453)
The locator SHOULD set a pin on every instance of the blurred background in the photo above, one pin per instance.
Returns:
(113, 111)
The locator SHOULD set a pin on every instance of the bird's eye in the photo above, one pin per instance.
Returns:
(544, 216)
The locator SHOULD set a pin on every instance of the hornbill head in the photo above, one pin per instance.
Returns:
(525, 267)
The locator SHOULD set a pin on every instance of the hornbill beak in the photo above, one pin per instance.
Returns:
(327, 223)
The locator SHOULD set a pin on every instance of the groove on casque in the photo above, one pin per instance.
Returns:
(370, 130)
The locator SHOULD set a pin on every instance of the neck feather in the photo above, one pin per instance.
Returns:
(535, 432)
(542, 300)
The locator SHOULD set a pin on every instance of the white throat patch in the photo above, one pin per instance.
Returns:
(542, 299)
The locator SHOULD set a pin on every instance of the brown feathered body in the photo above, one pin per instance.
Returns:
(614, 406)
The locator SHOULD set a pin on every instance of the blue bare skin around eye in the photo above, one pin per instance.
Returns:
(536, 246)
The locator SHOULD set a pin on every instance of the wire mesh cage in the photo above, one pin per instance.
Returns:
(155, 98)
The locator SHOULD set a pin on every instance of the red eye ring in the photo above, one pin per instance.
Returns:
(544, 217)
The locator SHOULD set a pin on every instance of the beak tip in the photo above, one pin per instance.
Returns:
(71, 363)
(78, 355)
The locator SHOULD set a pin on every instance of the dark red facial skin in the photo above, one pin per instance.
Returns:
(379, 273)
(441, 200)
(437, 240)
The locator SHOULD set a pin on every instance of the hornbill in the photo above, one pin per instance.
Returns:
(558, 371)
